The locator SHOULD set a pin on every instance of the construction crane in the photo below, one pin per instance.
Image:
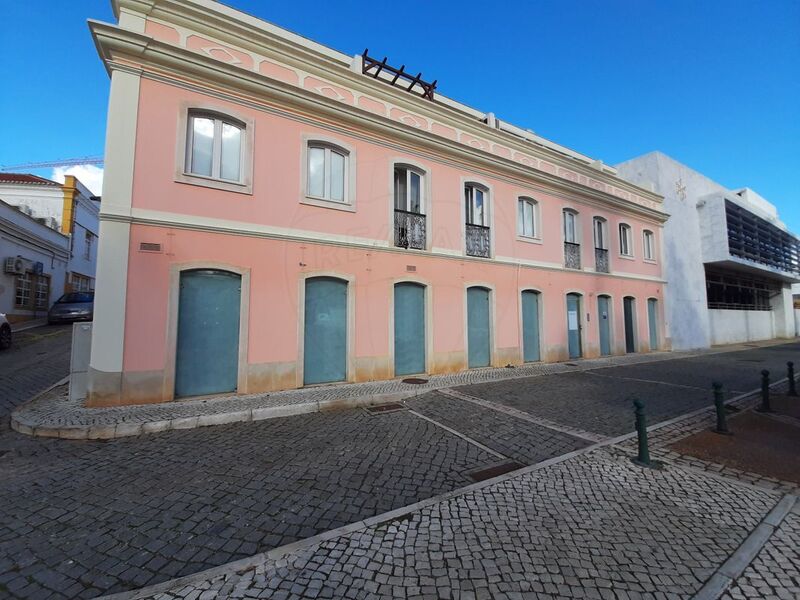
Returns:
(67, 162)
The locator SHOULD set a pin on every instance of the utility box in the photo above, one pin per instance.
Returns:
(79, 360)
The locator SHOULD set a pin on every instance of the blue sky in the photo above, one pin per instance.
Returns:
(715, 84)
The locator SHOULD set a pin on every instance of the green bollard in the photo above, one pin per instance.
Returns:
(719, 404)
(790, 373)
(764, 392)
(641, 432)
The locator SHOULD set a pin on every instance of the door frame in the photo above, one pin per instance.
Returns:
(634, 324)
(492, 350)
(428, 296)
(173, 302)
(657, 324)
(301, 324)
(520, 316)
(581, 323)
(611, 337)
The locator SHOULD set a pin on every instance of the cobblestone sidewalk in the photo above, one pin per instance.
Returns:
(54, 415)
(592, 526)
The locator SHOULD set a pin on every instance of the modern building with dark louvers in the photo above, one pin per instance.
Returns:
(729, 260)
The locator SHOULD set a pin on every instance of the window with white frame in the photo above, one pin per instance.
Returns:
(476, 199)
(88, 241)
(214, 146)
(408, 190)
(23, 290)
(527, 225)
(327, 172)
(625, 240)
(570, 226)
(600, 233)
(649, 242)
(42, 298)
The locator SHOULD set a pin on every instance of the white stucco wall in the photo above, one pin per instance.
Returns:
(685, 301)
(735, 326)
(43, 200)
(22, 236)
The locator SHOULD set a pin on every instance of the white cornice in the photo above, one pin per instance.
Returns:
(173, 64)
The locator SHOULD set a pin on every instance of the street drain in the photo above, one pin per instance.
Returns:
(382, 409)
(415, 380)
(494, 471)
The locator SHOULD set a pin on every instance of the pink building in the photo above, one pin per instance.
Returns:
(274, 217)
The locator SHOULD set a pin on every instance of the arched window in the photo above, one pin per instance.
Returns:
(625, 241)
(649, 243)
(527, 217)
(327, 172)
(476, 211)
(214, 146)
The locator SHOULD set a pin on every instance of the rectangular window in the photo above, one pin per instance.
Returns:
(625, 240)
(214, 147)
(42, 292)
(649, 246)
(23, 291)
(599, 234)
(327, 173)
(87, 250)
(570, 226)
(475, 205)
(526, 218)
(407, 190)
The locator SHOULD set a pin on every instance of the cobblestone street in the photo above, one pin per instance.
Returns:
(83, 518)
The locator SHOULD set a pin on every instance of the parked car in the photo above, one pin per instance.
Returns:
(5, 333)
(74, 306)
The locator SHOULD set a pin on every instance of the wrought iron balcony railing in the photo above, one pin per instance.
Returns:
(572, 255)
(478, 241)
(409, 230)
(601, 260)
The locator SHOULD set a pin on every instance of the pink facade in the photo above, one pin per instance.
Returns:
(274, 236)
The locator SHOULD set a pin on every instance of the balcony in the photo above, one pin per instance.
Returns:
(409, 230)
(572, 255)
(478, 241)
(600, 260)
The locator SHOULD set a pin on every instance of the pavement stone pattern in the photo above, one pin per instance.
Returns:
(109, 516)
(58, 412)
(775, 572)
(594, 526)
(525, 443)
(21, 372)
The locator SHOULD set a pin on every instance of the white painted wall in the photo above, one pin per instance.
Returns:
(43, 200)
(736, 326)
(685, 303)
(21, 235)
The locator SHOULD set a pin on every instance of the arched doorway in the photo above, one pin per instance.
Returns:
(478, 327)
(409, 328)
(325, 330)
(530, 326)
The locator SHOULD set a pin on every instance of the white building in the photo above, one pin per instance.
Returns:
(34, 261)
(69, 208)
(729, 260)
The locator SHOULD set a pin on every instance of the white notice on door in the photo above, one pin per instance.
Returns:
(572, 318)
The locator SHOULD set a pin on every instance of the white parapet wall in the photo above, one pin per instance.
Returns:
(736, 326)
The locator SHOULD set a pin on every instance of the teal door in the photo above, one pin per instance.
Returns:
(530, 326)
(207, 352)
(652, 313)
(409, 329)
(604, 321)
(478, 335)
(574, 325)
(325, 339)
(630, 322)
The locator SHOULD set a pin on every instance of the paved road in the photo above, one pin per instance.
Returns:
(80, 518)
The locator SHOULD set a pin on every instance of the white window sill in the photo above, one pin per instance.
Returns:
(626, 256)
(529, 240)
(650, 261)
(323, 203)
(217, 184)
